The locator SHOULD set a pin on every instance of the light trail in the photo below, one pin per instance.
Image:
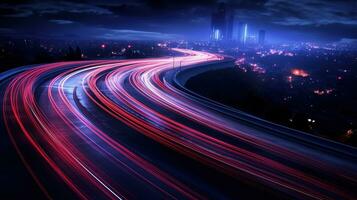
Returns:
(121, 129)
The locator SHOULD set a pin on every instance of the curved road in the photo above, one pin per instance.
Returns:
(128, 129)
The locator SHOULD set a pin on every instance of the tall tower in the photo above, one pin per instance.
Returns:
(242, 33)
(245, 33)
(230, 22)
(218, 23)
(239, 32)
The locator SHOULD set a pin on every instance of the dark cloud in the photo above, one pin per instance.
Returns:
(249, 5)
(61, 21)
(173, 5)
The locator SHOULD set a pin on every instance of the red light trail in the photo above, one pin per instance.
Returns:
(83, 120)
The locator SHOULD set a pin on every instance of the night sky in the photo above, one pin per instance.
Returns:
(303, 20)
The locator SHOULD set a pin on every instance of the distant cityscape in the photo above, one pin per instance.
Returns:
(225, 29)
(165, 99)
(320, 70)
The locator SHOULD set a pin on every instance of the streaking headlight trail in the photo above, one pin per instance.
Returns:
(128, 129)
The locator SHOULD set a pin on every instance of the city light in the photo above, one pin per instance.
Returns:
(299, 72)
(170, 99)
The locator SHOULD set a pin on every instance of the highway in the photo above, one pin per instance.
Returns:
(129, 129)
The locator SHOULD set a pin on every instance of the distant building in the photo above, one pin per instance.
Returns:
(230, 22)
(239, 32)
(242, 33)
(261, 37)
(218, 23)
(222, 24)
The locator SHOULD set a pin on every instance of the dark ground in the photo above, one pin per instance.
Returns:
(245, 91)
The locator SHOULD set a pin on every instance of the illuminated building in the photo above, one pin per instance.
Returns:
(218, 23)
(222, 24)
(242, 33)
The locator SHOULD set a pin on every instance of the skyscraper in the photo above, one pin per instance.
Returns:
(245, 33)
(242, 33)
(230, 22)
(218, 23)
(261, 37)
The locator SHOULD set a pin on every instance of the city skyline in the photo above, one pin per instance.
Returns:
(303, 21)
